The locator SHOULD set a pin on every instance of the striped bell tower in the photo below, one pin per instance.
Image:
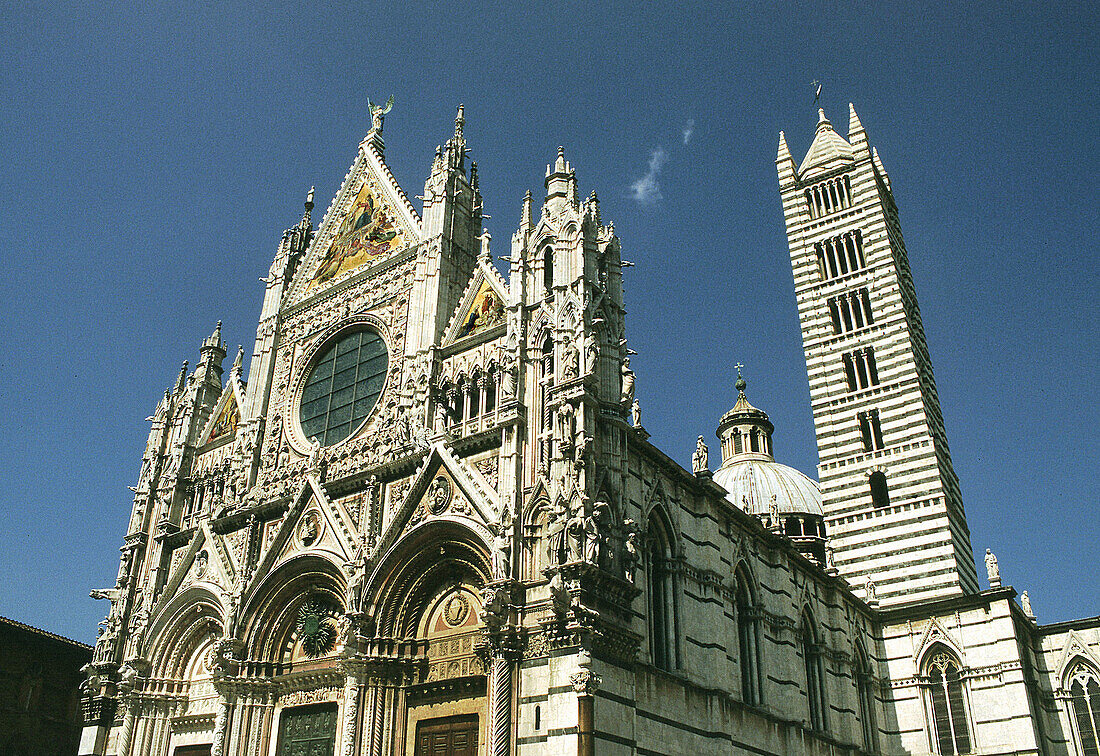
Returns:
(891, 498)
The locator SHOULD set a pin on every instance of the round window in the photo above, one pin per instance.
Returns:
(343, 386)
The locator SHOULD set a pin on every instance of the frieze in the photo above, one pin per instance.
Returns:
(315, 695)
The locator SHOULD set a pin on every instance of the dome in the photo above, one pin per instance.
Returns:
(752, 481)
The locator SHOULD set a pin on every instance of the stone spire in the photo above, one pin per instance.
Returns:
(856, 135)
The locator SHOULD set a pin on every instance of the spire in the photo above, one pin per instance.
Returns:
(828, 150)
(473, 175)
(784, 152)
(784, 163)
(525, 221)
(880, 168)
(560, 179)
(855, 128)
(183, 377)
(460, 121)
(307, 216)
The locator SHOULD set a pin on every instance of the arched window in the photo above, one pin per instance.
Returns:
(815, 677)
(880, 492)
(866, 697)
(662, 614)
(1084, 706)
(748, 640)
(947, 702)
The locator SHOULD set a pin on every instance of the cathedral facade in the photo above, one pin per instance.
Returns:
(430, 522)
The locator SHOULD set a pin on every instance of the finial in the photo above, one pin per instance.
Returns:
(817, 90)
(239, 361)
(473, 175)
(309, 198)
(559, 164)
(740, 384)
(821, 116)
(460, 120)
(183, 376)
(525, 215)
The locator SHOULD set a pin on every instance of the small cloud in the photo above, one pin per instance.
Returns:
(647, 190)
(688, 130)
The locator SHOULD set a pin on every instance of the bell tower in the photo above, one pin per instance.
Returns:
(891, 498)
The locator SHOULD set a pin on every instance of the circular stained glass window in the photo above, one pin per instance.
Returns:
(343, 386)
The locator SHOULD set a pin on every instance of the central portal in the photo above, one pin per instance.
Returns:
(447, 736)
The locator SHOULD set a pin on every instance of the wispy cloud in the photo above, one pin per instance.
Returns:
(647, 189)
(688, 130)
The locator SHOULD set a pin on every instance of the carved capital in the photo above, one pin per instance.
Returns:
(585, 682)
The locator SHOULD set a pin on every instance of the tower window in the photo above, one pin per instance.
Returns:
(860, 369)
(871, 430)
(880, 491)
(840, 255)
(850, 311)
(829, 197)
(748, 641)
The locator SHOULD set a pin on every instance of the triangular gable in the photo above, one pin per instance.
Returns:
(1075, 647)
(481, 311)
(218, 569)
(225, 418)
(313, 521)
(935, 633)
(369, 221)
(478, 504)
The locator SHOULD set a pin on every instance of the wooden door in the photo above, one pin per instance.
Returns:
(308, 731)
(449, 736)
(193, 750)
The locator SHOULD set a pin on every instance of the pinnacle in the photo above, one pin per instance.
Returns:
(784, 151)
(854, 125)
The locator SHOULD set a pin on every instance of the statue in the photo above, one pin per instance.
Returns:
(555, 535)
(1025, 602)
(869, 592)
(570, 363)
(636, 414)
(378, 113)
(502, 554)
(631, 553)
(591, 351)
(314, 453)
(576, 530)
(600, 522)
(627, 397)
(699, 458)
(992, 570)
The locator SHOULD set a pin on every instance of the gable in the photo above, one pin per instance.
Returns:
(226, 420)
(482, 307)
(370, 220)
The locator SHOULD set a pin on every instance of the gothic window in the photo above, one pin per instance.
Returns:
(866, 698)
(840, 255)
(948, 705)
(548, 270)
(662, 616)
(343, 386)
(880, 491)
(815, 672)
(860, 369)
(748, 640)
(850, 311)
(870, 429)
(491, 391)
(1084, 706)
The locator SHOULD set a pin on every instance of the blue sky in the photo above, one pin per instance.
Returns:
(154, 153)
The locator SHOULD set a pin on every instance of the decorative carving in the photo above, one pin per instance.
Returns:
(309, 529)
(456, 610)
(585, 682)
(315, 627)
(439, 495)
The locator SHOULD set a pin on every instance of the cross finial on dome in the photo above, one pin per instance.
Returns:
(740, 385)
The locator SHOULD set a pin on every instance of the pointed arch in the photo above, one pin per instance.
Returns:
(660, 560)
(863, 677)
(811, 648)
(1081, 682)
(747, 618)
(945, 701)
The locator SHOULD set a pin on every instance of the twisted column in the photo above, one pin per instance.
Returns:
(127, 735)
(351, 712)
(221, 720)
(500, 703)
